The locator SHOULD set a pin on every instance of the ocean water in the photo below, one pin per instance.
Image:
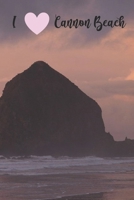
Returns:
(46, 177)
(43, 165)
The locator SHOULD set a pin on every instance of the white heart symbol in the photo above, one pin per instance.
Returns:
(36, 23)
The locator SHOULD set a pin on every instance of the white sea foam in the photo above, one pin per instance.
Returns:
(33, 165)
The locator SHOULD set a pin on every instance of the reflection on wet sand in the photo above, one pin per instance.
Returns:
(97, 196)
(84, 186)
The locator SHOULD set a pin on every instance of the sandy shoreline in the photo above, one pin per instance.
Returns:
(84, 186)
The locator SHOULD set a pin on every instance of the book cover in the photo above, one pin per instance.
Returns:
(66, 105)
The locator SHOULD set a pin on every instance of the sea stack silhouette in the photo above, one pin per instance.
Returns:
(43, 113)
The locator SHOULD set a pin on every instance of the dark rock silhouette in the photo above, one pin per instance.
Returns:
(43, 113)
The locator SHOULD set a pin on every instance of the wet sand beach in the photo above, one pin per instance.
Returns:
(84, 186)
(97, 196)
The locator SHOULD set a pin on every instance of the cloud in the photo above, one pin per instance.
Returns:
(66, 9)
(104, 89)
(131, 75)
(121, 87)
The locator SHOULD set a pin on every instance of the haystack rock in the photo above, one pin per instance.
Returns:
(43, 113)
